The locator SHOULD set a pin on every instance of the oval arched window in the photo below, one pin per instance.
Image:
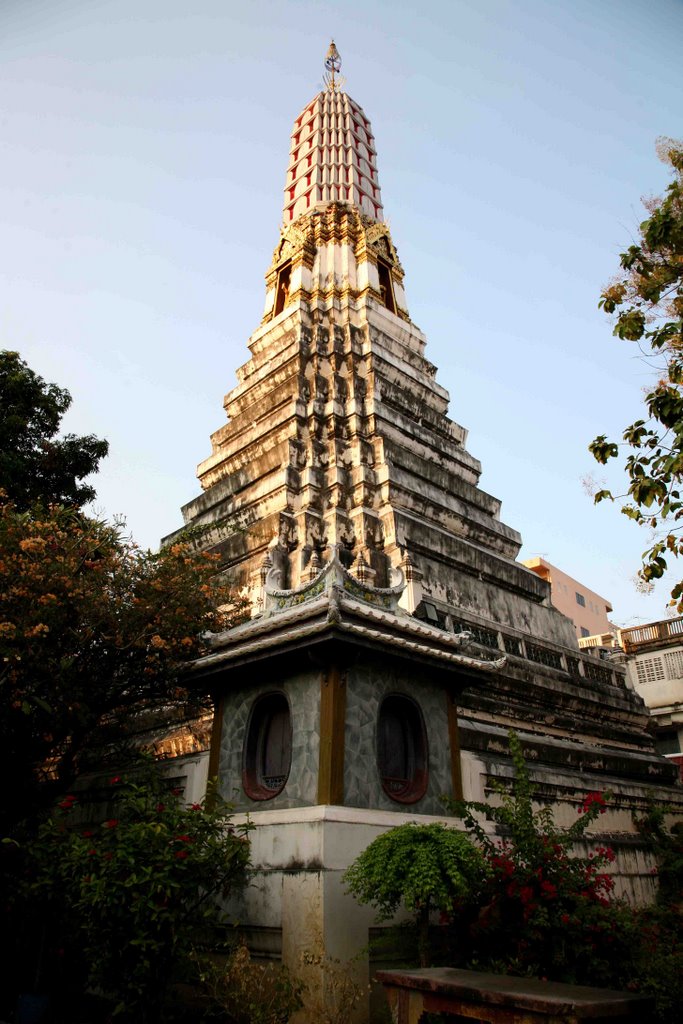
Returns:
(402, 756)
(267, 747)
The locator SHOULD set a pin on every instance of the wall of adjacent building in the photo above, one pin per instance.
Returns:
(587, 610)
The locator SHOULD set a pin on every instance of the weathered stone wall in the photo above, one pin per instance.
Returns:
(303, 693)
(366, 687)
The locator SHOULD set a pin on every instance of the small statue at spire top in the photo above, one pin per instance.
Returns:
(333, 65)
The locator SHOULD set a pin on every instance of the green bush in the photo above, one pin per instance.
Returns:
(423, 867)
(127, 900)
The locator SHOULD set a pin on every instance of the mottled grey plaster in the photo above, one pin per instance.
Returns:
(366, 687)
(303, 693)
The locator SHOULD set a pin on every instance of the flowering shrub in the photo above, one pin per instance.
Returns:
(133, 895)
(545, 910)
(93, 636)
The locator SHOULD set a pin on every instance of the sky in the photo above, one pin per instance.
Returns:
(144, 149)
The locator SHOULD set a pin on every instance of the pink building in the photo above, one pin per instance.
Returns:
(587, 610)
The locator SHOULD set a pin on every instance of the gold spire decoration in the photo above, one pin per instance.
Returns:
(333, 65)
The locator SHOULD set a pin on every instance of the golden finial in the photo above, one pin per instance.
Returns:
(333, 65)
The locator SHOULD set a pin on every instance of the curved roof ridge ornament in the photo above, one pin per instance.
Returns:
(333, 577)
(333, 67)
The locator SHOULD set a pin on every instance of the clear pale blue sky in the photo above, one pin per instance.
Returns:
(144, 146)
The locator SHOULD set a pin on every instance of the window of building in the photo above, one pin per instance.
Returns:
(585, 632)
(267, 751)
(673, 663)
(402, 756)
(580, 599)
(649, 670)
(666, 742)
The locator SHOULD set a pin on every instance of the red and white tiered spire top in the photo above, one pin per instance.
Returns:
(332, 153)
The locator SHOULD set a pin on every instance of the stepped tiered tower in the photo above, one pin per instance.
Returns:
(338, 432)
(393, 639)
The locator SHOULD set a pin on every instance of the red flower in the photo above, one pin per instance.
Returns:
(526, 894)
(108, 856)
(87, 834)
(161, 807)
(565, 919)
(548, 889)
(113, 781)
(177, 791)
(183, 839)
(112, 823)
(92, 853)
(196, 807)
(503, 864)
(67, 803)
(592, 799)
(182, 854)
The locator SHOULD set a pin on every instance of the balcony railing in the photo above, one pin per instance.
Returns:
(641, 636)
(597, 640)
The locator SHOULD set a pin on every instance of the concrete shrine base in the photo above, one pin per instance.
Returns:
(296, 908)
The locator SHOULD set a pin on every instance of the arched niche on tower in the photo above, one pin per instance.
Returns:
(282, 287)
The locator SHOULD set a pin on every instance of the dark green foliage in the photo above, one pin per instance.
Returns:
(120, 906)
(544, 911)
(424, 867)
(647, 302)
(667, 845)
(414, 865)
(35, 465)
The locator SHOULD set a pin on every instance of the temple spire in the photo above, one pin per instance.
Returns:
(332, 156)
(333, 66)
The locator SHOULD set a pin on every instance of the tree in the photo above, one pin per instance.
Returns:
(94, 633)
(647, 304)
(35, 465)
(425, 867)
